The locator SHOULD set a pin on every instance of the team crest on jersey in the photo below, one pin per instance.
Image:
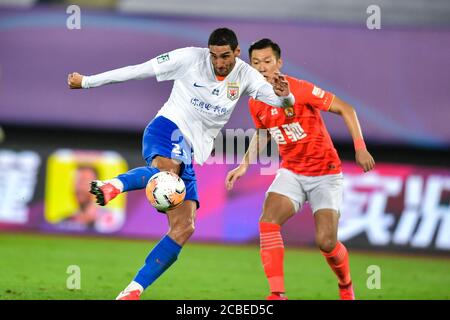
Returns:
(289, 112)
(232, 91)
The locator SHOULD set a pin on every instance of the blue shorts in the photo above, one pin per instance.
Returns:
(163, 138)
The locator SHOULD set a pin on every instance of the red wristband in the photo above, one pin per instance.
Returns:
(359, 144)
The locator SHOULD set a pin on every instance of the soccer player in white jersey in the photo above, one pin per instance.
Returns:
(207, 85)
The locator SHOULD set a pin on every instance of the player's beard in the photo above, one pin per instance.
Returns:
(224, 71)
(221, 72)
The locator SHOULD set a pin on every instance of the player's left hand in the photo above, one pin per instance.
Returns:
(280, 84)
(365, 160)
(234, 175)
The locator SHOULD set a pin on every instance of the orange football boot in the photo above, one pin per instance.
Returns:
(104, 192)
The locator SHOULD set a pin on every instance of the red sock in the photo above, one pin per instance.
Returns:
(272, 255)
(338, 261)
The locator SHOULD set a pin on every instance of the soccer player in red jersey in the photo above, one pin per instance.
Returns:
(310, 169)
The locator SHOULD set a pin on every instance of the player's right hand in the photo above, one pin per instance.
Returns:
(234, 175)
(74, 80)
(279, 83)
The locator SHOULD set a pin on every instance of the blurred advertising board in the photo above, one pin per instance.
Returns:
(394, 207)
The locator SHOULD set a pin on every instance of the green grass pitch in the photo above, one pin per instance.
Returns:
(35, 267)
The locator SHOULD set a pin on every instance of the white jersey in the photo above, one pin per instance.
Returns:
(199, 104)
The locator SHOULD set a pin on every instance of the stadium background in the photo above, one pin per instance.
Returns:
(397, 78)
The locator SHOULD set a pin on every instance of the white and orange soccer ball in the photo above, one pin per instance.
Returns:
(165, 191)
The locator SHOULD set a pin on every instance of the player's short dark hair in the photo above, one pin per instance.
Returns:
(265, 43)
(223, 37)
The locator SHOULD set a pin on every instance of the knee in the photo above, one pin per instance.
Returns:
(326, 242)
(277, 209)
(270, 218)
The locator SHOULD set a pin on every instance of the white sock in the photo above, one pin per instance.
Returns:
(116, 183)
(134, 286)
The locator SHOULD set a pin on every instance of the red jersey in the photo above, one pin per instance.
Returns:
(303, 141)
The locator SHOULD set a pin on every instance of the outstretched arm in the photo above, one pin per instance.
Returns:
(257, 145)
(346, 111)
(276, 92)
(136, 72)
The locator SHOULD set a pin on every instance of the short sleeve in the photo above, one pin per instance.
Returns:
(255, 113)
(254, 81)
(175, 64)
(314, 96)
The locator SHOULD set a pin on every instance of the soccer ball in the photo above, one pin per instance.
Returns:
(165, 191)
